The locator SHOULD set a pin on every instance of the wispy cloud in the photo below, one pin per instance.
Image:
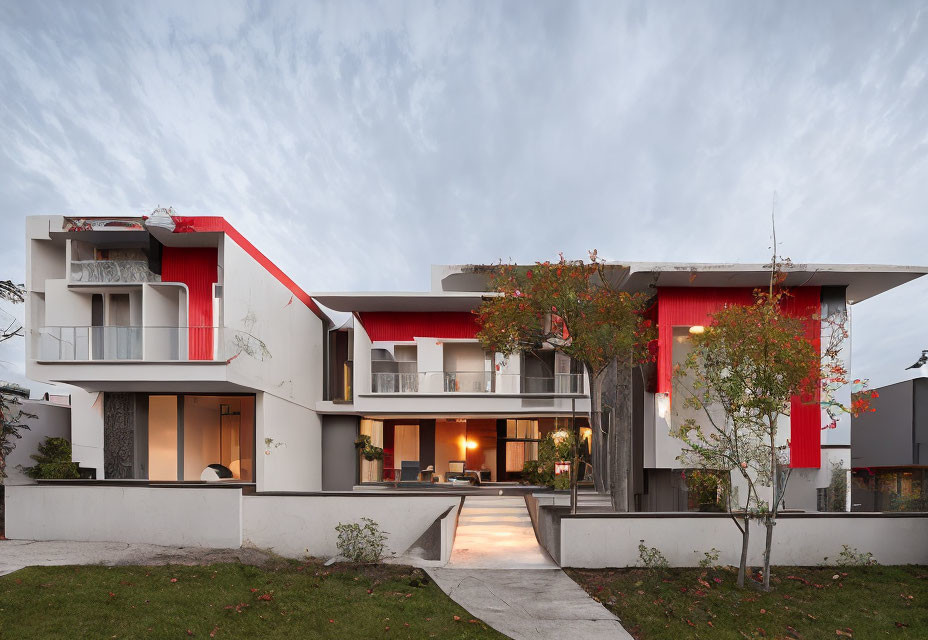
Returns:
(356, 143)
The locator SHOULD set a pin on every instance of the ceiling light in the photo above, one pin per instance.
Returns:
(697, 330)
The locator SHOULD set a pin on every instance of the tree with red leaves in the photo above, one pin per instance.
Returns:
(570, 306)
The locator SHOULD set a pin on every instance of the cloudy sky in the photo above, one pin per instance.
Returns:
(358, 143)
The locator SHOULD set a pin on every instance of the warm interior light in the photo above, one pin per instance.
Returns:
(697, 329)
(471, 444)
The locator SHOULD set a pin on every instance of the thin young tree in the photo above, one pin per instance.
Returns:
(571, 307)
(741, 376)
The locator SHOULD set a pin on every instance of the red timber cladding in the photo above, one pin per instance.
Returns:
(693, 306)
(197, 268)
(403, 326)
(216, 224)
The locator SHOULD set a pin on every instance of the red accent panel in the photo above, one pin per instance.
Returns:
(693, 306)
(216, 224)
(400, 326)
(196, 267)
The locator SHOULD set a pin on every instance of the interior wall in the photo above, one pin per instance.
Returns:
(201, 434)
(162, 438)
(465, 356)
(449, 444)
(482, 433)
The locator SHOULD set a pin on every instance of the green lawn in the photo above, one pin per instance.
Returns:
(289, 600)
(806, 603)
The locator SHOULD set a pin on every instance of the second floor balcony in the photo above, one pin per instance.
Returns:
(116, 343)
(475, 382)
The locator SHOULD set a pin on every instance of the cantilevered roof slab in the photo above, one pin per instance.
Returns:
(401, 301)
(862, 280)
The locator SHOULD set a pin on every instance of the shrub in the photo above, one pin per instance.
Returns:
(368, 450)
(850, 557)
(651, 557)
(362, 544)
(53, 461)
(554, 447)
(710, 559)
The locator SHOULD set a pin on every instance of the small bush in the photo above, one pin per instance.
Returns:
(651, 557)
(710, 559)
(361, 544)
(53, 461)
(850, 557)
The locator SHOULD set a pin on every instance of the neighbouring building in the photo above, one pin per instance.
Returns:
(192, 349)
(889, 450)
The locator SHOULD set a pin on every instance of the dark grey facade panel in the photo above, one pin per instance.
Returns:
(339, 456)
(920, 427)
(884, 437)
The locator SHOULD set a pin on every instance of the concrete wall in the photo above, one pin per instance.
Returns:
(258, 308)
(296, 526)
(87, 429)
(51, 421)
(799, 539)
(339, 455)
(293, 461)
(151, 515)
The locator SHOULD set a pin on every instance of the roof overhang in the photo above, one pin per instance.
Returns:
(863, 281)
(402, 301)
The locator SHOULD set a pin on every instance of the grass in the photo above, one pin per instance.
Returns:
(806, 602)
(288, 600)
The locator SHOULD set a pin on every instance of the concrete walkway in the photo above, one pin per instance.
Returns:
(495, 532)
(500, 574)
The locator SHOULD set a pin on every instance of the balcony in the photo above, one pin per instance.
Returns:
(111, 272)
(475, 382)
(113, 343)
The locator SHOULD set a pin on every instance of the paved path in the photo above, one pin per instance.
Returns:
(500, 574)
(495, 532)
(16, 554)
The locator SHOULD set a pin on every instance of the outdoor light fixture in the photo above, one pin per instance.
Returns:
(697, 329)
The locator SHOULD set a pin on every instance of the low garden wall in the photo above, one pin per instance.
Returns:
(611, 540)
(170, 516)
(298, 525)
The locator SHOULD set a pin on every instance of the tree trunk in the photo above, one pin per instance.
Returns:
(745, 539)
(770, 523)
(621, 432)
(599, 443)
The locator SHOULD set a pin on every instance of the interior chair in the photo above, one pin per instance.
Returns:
(409, 471)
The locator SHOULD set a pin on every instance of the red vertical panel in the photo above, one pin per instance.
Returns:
(805, 443)
(196, 267)
(678, 306)
(399, 326)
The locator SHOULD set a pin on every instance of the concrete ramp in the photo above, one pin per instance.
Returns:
(495, 532)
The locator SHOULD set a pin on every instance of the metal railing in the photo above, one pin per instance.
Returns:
(475, 382)
(82, 343)
(570, 383)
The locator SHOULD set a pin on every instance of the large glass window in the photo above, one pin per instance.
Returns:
(194, 432)
(522, 438)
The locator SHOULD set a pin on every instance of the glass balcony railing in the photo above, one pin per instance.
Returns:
(475, 382)
(66, 344)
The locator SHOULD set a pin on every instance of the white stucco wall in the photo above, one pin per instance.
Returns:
(51, 421)
(87, 429)
(257, 306)
(613, 541)
(296, 526)
(150, 515)
(293, 462)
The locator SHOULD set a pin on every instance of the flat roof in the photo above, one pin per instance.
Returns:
(863, 281)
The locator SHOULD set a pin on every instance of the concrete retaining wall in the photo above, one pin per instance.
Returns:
(153, 515)
(299, 525)
(799, 539)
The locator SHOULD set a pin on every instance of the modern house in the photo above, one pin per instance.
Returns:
(193, 349)
(889, 450)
